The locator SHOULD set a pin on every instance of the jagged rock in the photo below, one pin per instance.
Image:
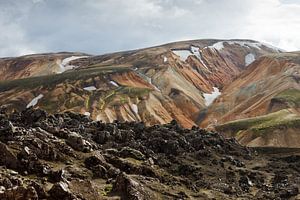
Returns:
(289, 192)
(39, 190)
(78, 143)
(131, 189)
(19, 193)
(138, 162)
(33, 115)
(8, 158)
(85, 189)
(245, 183)
(102, 137)
(6, 183)
(7, 126)
(58, 176)
(61, 191)
(96, 159)
(99, 171)
(129, 152)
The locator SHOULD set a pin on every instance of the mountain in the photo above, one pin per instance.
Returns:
(155, 85)
(68, 156)
(113, 126)
(261, 106)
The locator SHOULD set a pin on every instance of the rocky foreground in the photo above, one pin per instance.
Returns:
(68, 156)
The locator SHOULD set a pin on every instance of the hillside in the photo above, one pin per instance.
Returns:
(155, 85)
(267, 90)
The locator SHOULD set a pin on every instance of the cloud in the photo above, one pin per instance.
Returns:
(100, 26)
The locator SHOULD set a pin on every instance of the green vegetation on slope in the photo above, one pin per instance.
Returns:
(262, 124)
(290, 96)
(121, 96)
(51, 80)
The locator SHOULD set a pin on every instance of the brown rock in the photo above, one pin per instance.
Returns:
(8, 158)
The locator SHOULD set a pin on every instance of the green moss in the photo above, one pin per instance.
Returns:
(106, 98)
(263, 124)
(52, 80)
(291, 96)
(123, 100)
(134, 92)
(107, 190)
(87, 102)
(101, 103)
(122, 94)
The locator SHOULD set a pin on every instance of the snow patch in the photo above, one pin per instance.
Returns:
(183, 54)
(134, 108)
(258, 45)
(196, 51)
(64, 64)
(90, 88)
(272, 47)
(114, 83)
(249, 58)
(87, 114)
(209, 98)
(218, 46)
(98, 118)
(165, 59)
(34, 101)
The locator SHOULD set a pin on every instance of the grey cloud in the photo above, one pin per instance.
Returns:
(100, 26)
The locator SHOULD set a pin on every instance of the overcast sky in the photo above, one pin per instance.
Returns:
(101, 26)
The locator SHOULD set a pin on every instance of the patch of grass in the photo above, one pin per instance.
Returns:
(51, 80)
(291, 96)
(87, 102)
(263, 124)
(107, 190)
(106, 98)
(133, 92)
(120, 95)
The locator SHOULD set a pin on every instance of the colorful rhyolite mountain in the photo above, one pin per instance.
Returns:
(245, 88)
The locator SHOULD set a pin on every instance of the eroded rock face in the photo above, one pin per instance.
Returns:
(132, 161)
(261, 106)
(153, 85)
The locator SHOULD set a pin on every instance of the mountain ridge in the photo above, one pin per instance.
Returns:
(153, 84)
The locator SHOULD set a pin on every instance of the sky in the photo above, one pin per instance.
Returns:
(103, 26)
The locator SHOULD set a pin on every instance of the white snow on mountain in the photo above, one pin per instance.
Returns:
(183, 54)
(218, 46)
(196, 51)
(34, 101)
(272, 47)
(134, 108)
(114, 83)
(209, 98)
(165, 59)
(249, 58)
(64, 64)
(90, 88)
(87, 114)
(258, 45)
